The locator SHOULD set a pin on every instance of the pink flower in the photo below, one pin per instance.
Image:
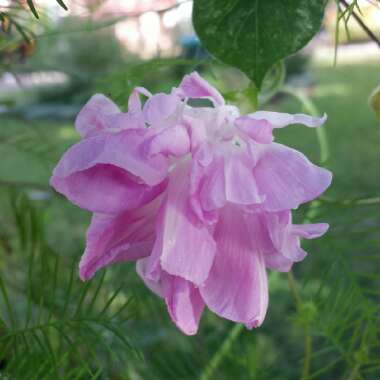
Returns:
(200, 197)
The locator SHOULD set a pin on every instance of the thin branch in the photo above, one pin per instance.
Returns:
(362, 24)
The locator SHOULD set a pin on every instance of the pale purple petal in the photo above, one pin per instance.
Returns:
(258, 130)
(259, 125)
(240, 184)
(92, 119)
(134, 101)
(280, 120)
(169, 141)
(220, 178)
(126, 237)
(286, 178)
(105, 188)
(155, 284)
(285, 238)
(278, 262)
(310, 231)
(121, 149)
(150, 267)
(187, 248)
(160, 107)
(237, 287)
(184, 303)
(109, 173)
(194, 86)
(204, 157)
(292, 245)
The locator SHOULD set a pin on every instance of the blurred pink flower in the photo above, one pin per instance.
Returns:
(200, 197)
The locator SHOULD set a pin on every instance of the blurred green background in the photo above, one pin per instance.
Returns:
(52, 326)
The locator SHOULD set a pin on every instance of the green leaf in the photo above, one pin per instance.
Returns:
(253, 35)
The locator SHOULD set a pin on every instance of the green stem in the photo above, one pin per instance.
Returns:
(220, 354)
(308, 349)
(253, 96)
(308, 342)
(294, 290)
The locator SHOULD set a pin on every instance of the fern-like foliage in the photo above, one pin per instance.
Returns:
(346, 324)
(53, 326)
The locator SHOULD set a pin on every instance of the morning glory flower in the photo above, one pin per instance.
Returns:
(200, 197)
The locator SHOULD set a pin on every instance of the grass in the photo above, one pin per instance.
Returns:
(353, 131)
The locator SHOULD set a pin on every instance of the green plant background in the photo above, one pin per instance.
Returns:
(323, 319)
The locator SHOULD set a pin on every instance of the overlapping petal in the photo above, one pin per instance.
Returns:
(259, 125)
(161, 109)
(220, 177)
(186, 248)
(286, 239)
(184, 303)
(237, 287)
(182, 298)
(287, 178)
(125, 237)
(109, 173)
(93, 118)
(194, 86)
(200, 197)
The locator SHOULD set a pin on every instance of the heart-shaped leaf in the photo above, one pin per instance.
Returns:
(255, 34)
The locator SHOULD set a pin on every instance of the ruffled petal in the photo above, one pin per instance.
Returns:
(169, 141)
(310, 231)
(286, 178)
(220, 178)
(259, 125)
(134, 101)
(154, 283)
(183, 300)
(285, 238)
(280, 120)
(184, 303)
(160, 108)
(92, 119)
(258, 130)
(109, 173)
(194, 86)
(187, 248)
(126, 237)
(237, 287)
(240, 184)
(292, 244)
